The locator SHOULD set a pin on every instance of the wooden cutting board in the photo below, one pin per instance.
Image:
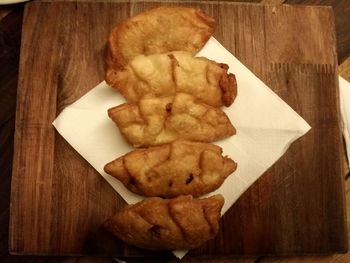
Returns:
(59, 201)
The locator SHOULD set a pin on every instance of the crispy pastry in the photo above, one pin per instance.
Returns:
(154, 121)
(168, 73)
(157, 224)
(179, 168)
(158, 30)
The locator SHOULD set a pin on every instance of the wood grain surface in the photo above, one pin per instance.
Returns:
(77, 199)
(342, 20)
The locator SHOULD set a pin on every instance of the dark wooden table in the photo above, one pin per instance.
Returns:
(10, 38)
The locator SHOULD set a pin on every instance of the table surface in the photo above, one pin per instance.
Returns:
(10, 35)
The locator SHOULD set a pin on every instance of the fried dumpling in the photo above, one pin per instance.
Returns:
(154, 121)
(167, 224)
(168, 73)
(158, 30)
(179, 168)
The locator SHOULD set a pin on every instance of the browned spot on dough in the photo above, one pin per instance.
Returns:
(168, 107)
(132, 181)
(174, 64)
(189, 179)
(155, 230)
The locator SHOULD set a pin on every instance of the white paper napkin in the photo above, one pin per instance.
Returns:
(344, 87)
(265, 124)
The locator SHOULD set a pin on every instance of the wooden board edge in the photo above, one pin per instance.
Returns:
(14, 175)
(343, 149)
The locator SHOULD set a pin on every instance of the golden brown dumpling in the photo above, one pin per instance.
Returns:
(154, 121)
(158, 30)
(168, 73)
(179, 168)
(164, 224)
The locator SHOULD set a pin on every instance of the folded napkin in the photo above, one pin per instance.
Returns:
(344, 88)
(265, 124)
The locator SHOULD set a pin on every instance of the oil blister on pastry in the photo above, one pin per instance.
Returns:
(154, 121)
(168, 73)
(179, 223)
(179, 168)
(158, 30)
